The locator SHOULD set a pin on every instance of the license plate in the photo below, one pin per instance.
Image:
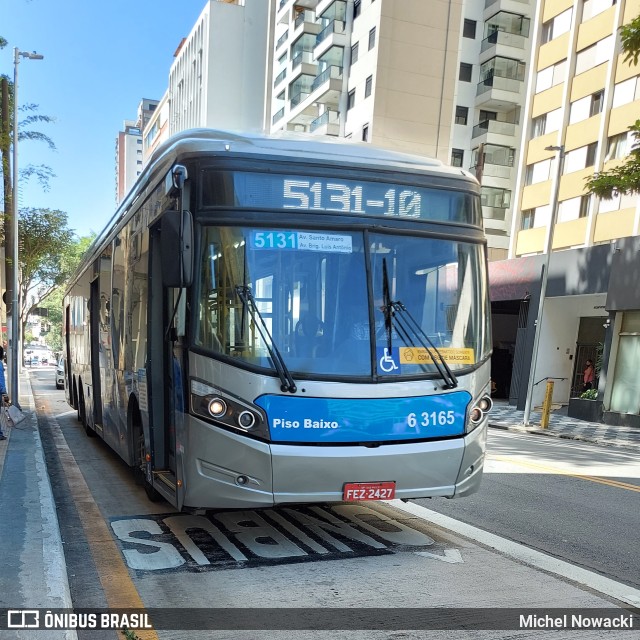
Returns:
(369, 491)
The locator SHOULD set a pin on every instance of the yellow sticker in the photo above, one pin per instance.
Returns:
(418, 355)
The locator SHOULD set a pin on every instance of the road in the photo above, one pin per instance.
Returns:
(378, 562)
(576, 501)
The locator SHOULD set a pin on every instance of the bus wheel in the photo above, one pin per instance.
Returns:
(140, 474)
(83, 417)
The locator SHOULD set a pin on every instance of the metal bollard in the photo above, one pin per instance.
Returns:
(546, 406)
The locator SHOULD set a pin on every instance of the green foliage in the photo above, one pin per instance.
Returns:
(630, 38)
(590, 394)
(625, 178)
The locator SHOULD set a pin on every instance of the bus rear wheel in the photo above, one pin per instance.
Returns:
(139, 471)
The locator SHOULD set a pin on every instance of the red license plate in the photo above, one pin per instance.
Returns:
(369, 491)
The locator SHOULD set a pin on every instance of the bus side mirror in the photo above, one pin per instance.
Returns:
(176, 249)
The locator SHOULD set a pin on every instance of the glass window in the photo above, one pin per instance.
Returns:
(527, 219)
(462, 115)
(469, 29)
(365, 133)
(464, 74)
(354, 53)
(372, 38)
(457, 157)
(594, 55)
(367, 86)
(625, 394)
(538, 126)
(597, 102)
(357, 8)
(351, 99)
(618, 146)
(310, 298)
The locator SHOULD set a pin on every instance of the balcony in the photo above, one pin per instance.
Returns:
(282, 39)
(494, 127)
(297, 98)
(495, 91)
(332, 35)
(280, 77)
(327, 87)
(499, 39)
(305, 23)
(303, 63)
(278, 115)
(494, 213)
(326, 124)
(490, 170)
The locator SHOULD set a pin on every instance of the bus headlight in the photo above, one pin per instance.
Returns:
(485, 404)
(476, 415)
(217, 407)
(225, 410)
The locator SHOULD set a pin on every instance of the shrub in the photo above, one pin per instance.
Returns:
(590, 394)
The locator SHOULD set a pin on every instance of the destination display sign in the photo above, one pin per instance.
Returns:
(338, 195)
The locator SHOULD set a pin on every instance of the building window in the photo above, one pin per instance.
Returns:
(584, 206)
(538, 126)
(357, 8)
(617, 146)
(464, 75)
(367, 86)
(597, 102)
(354, 53)
(527, 219)
(365, 133)
(462, 114)
(351, 99)
(457, 157)
(372, 38)
(469, 29)
(591, 154)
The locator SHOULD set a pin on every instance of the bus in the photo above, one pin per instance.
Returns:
(283, 319)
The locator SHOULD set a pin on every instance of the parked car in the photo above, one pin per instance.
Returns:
(60, 373)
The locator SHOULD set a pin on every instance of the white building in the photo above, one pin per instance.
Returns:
(218, 77)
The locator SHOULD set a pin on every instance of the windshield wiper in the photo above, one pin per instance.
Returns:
(249, 303)
(405, 325)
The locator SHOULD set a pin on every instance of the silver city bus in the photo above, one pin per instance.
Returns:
(273, 320)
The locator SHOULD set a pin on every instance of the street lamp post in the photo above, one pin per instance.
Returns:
(543, 284)
(14, 350)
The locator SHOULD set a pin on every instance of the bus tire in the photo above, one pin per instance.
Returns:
(83, 417)
(138, 470)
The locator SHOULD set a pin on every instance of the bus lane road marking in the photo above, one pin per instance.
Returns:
(562, 472)
(526, 555)
(282, 535)
(118, 587)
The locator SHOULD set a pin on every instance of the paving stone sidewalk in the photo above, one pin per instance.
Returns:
(504, 416)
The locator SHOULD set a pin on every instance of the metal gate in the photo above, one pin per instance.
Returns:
(518, 357)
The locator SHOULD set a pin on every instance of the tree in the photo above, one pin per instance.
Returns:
(45, 257)
(624, 178)
(53, 301)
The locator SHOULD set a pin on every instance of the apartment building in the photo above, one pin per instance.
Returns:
(129, 156)
(444, 78)
(581, 99)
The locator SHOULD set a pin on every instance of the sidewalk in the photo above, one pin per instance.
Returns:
(33, 573)
(505, 416)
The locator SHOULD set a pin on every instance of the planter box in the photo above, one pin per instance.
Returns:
(583, 409)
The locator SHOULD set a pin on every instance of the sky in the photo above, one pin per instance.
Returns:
(101, 57)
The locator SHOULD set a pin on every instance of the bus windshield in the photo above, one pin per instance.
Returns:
(320, 294)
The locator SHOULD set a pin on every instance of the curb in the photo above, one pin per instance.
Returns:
(538, 431)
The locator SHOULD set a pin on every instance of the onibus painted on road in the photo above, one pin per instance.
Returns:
(273, 320)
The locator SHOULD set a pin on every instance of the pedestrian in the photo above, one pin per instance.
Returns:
(588, 376)
(3, 388)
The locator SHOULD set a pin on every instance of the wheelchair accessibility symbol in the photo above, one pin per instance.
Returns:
(388, 362)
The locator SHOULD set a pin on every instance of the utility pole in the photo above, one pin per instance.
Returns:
(5, 154)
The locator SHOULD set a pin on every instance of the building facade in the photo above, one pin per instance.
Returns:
(444, 78)
(582, 97)
(129, 148)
